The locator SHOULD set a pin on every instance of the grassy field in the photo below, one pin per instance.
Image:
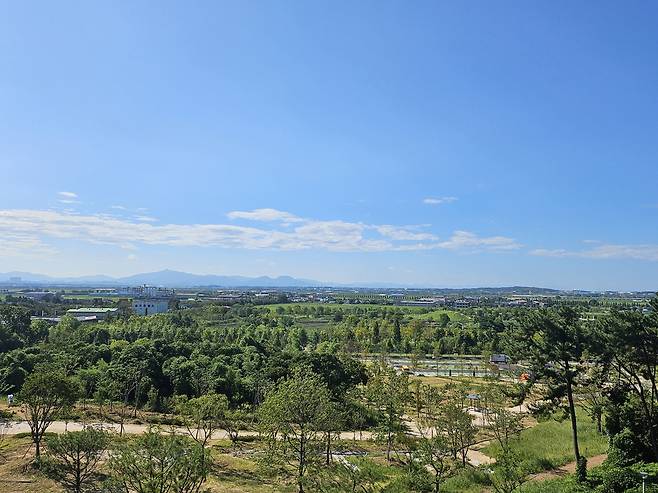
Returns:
(15, 477)
(553, 486)
(549, 444)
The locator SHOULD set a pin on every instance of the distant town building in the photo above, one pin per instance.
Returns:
(146, 292)
(99, 313)
(150, 306)
(432, 301)
(105, 291)
(464, 302)
(37, 295)
(227, 297)
(499, 359)
(56, 320)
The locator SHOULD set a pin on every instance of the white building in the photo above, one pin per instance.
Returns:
(150, 306)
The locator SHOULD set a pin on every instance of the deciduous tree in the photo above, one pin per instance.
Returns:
(388, 393)
(45, 393)
(292, 419)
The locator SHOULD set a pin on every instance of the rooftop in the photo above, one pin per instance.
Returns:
(93, 310)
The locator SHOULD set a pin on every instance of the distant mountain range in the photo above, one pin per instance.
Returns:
(176, 279)
(168, 278)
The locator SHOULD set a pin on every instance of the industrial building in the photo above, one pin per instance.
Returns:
(150, 306)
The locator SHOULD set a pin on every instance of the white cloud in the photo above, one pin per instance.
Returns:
(266, 215)
(14, 244)
(146, 219)
(404, 233)
(467, 240)
(604, 251)
(332, 235)
(118, 207)
(68, 197)
(546, 252)
(439, 200)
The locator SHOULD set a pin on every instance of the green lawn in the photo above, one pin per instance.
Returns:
(549, 444)
(563, 485)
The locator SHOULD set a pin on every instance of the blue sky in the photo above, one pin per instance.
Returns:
(431, 143)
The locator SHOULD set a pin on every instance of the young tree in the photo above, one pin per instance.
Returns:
(504, 425)
(155, 462)
(45, 393)
(459, 430)
(202, 418)
(235, 420)
(292, 419)
(593, 392)
(388, 392)
(509, 473)
(202, 415)
(438, 446)
(76, 456)
(434, 452)
(331, 429)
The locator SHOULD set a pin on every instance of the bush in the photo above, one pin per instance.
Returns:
(619, 480)
(624, 450)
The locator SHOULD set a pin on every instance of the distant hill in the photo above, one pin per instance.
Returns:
(184, 279)
(168, 278)
(177, 279)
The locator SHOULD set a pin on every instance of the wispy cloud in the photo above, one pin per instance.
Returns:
(13, 244)
(464, 239)
(68, 197)
(604, 251)
(404, 233)
(266, 215)
(146, 219)
(439, 200)
(285, 231)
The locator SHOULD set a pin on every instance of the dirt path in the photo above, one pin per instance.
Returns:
(569, 468)
(135, 429)
(477, 458)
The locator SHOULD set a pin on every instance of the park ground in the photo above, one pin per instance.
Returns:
(546, 445)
